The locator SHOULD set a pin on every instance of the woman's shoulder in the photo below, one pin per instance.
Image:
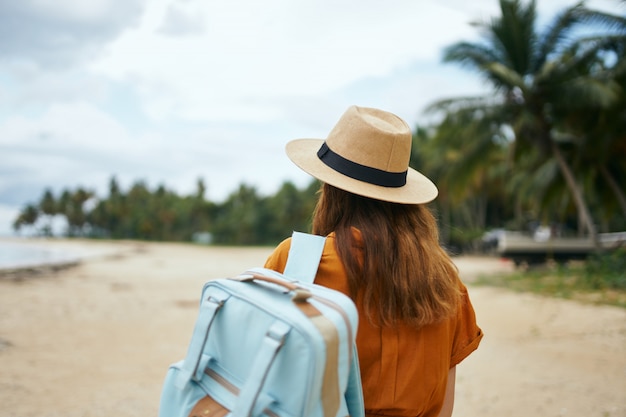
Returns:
(278, 258)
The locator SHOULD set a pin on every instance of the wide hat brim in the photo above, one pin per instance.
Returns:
(417, 190)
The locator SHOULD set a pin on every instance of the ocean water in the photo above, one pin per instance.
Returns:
(22, 255)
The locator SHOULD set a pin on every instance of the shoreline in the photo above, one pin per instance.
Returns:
(83, 249)
(59, 253)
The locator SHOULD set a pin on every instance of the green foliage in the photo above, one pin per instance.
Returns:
(245, 218)
(240, 218)
(560, 92)
(27, 217)
(598, 280)
(607, 270)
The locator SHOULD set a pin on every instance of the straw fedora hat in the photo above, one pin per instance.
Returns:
(366, 153)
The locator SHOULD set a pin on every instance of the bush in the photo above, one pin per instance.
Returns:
(607, 270)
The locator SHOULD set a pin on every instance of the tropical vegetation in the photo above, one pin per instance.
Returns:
(546, 146)
(599, 280)
(244, 218)
(550, 141)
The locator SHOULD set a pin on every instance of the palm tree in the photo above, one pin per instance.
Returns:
(536, 76)
(48, 207)
(27, 217)
(601, 130)
(77, 218)
(466, 156)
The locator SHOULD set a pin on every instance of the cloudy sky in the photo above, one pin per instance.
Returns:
(169, 91)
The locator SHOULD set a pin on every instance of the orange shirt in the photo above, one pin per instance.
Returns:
(404, 370)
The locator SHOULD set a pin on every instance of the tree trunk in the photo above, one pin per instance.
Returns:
(577, 193)
(619, 193)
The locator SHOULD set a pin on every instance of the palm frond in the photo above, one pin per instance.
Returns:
(513, 34)
(505, 76)
(469, 55)
(587, 92)
(607, 21)
(455, 104)
(555, 36)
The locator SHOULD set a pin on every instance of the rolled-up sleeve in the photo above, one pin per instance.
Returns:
(467, 334)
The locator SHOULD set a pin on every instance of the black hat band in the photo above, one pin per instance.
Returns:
(360, 172)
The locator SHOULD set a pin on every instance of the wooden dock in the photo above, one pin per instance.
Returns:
(523, 248)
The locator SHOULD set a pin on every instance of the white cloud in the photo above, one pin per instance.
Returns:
(183, 18)
(68, 145)
(252, 52)
(30, 88)
(61, 33)
(76, 144)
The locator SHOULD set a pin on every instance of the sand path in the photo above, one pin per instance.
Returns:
(96, 339)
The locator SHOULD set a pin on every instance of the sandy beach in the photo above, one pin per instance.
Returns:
(96, 339)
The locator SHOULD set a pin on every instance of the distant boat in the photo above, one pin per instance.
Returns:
(523, 248)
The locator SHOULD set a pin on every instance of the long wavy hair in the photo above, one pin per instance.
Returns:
(397, 268)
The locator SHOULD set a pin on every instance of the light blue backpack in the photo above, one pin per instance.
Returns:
(268, 344)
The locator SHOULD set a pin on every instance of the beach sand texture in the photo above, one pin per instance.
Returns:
(96, 339)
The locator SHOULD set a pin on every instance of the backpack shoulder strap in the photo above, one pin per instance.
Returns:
(303, 260)
(304, 256)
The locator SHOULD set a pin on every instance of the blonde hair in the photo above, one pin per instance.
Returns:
(397, 269)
